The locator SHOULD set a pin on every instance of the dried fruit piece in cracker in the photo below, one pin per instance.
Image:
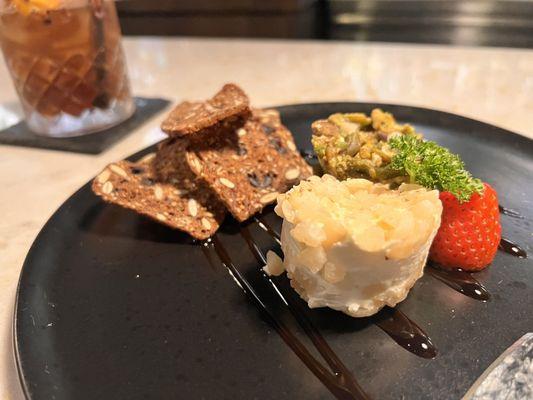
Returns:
(229, 106)
(248, 167)
(179, 202)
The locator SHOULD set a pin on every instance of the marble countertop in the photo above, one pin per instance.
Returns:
(490, 84)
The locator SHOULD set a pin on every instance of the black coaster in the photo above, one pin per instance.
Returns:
(95, 143)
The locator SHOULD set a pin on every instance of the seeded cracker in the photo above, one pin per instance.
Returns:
(228, 107)
(180, 202)
(249, 166)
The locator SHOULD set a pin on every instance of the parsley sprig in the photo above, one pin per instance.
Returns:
(432, 166)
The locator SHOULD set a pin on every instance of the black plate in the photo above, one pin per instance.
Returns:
(113, 306)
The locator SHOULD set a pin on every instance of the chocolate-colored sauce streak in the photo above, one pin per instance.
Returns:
(512, 248)
(406, 333)
(505, 244)
(267, 228)
(341, 371)
(510, 213)
(341, 385)
(397, 325)
(252, 245)
(461, 281)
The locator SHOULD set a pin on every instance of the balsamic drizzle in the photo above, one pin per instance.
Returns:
(406, 333)
(512, 248)
(337, 366)
(340, 383)
(509, 212)
(505, 244)
(461, 281)
(206, 246)
(268, 229)
(397, 325)
(252, 245)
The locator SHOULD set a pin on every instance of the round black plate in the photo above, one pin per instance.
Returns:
(113, 306)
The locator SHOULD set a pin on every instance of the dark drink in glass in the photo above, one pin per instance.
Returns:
(67, 64)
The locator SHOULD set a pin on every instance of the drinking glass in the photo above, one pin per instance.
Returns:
(67, 64)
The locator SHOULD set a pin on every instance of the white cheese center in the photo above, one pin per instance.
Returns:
(355, 246)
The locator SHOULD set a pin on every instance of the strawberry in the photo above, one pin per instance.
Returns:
(469, 233)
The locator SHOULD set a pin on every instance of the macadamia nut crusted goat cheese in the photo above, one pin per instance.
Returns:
(355, 246)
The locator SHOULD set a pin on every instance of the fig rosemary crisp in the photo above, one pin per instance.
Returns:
(218, 156)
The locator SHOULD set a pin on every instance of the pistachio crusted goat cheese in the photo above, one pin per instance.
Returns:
(353, 245)
(354, 145)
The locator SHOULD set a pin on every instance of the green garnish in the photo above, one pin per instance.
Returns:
(432, 166)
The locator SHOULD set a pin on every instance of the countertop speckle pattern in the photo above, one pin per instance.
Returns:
(512, 377)
(489, 84)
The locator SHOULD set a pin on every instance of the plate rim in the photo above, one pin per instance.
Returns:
(22, 377)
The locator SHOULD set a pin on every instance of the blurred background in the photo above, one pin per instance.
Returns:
(506, 23)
